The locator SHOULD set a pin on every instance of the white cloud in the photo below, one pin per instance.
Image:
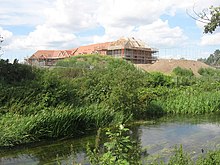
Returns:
(141, 19)
(73, 15)
(137, 12)
(210, 39)
(5, 33)
(58, 22)
(23, 12)
(7, 37)
(157, 34)
(202, 5)
(43, 38)
(127, 12)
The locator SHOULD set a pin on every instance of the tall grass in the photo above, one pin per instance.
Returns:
(53, 123)
(190, 101)
(86, 92)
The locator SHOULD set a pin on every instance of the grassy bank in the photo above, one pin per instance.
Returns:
(86, 92)
(78, 96)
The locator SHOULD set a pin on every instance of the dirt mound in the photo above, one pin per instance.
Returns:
(166, 66)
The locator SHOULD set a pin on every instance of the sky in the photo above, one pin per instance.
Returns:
(28, 26)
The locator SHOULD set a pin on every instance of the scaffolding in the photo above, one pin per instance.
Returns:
(132, 50)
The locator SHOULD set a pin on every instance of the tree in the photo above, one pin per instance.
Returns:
(214, 21)
(213, 59)
(210, 17)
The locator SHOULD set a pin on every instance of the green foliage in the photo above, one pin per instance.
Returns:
(183, 77)
(214, 21)
(190, 100)
(156, 79)
(118, 150)
(79, 97)
(213, 59)
(108, 81)
(211, 158)
(180, 158)
(45, 91)
(88, 62)
(210, 73)
(148, 99)
(58, 122)
(178, 71)
(86, 92)
(14, 72)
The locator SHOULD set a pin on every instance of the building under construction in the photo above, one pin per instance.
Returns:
(129, 49)
(132, 50)
(48, 57)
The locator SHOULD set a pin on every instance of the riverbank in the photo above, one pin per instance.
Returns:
(87, 92)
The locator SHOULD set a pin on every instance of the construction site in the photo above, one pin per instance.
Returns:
(130, 49)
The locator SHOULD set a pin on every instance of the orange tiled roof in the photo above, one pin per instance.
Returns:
(91, 49)
(50, 54)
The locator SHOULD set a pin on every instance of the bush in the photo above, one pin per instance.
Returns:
(209, 72)
(118, 150)
(178, 71)
(158, 79)
(13, 73)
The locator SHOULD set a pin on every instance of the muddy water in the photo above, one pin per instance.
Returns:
(196, 134)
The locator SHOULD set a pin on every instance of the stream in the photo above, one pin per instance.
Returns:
(195, 133)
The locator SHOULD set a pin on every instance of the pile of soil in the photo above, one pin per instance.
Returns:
(166, 66)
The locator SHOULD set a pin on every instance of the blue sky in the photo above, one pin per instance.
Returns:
(28, 26)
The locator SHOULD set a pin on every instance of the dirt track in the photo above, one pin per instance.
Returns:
(166, 66)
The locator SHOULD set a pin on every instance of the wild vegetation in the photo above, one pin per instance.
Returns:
(121, 149)
(86, 92)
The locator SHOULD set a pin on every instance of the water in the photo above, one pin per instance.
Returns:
(194, 134)
(159, 140)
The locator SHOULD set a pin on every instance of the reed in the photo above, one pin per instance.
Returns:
(53, 123)
(190, 101)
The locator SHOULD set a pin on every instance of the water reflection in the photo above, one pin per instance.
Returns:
(64, 152)
(195, 133)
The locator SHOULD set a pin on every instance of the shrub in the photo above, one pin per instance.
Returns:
(209, 72)
(158, 79)
(118, 150)
(178, 71)
(12, 73)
